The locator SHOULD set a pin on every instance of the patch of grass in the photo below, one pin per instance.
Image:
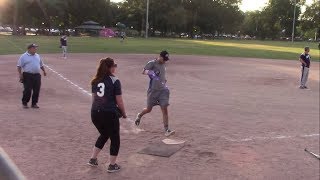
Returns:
(233, 48)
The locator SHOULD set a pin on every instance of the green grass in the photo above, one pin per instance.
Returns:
(233, 48)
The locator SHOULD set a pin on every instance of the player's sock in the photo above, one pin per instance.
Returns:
(138, 119)
(169, 132)
(166, 127)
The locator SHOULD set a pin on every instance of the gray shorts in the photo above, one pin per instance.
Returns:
(158, 97)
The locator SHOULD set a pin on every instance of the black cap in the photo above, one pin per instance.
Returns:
(164, 55)
(306, 48)
(32, 46)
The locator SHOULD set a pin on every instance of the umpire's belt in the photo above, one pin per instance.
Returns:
(34, 74)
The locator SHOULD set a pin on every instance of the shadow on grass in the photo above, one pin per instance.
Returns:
(269, 50)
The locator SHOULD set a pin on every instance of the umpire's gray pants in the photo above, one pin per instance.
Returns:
(304, 75)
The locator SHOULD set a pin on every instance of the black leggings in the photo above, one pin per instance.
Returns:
(108, 126)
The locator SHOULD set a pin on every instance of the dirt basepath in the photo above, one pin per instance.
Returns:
(242, 119)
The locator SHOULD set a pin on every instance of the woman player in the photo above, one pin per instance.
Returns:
(107, 102)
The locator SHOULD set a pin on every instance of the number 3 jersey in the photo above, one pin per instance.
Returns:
(104, 94)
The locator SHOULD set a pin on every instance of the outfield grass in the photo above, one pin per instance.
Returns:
(233, 48)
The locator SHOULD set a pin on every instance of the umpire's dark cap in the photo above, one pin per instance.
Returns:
(32, 46)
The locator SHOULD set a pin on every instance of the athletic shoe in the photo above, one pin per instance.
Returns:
(93, 162)
(25, 106)
(113, 168)
(138, 119)
(305, 87)
(35, 106)
(169, 133)
(301, 87)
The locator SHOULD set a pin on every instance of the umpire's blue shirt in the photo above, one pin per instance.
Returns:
(30, 63)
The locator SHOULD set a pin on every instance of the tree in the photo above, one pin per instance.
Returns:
(310, 20)
(284, 11)
(213, 15)
(188, 16)
(133, 13)
(274, 20)
(178, 20)
(251, 22)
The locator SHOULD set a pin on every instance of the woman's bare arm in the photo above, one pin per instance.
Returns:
(121, 105)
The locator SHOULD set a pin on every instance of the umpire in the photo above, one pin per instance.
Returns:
(29, 66)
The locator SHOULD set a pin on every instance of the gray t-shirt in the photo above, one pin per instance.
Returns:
(30, 63)
(159, 81)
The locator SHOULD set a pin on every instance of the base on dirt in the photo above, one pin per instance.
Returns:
(161, 149)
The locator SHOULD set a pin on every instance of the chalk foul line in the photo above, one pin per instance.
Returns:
(128, 127)
(257, 138)
(69, 81)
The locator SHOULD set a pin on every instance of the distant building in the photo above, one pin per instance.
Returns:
(90, 28)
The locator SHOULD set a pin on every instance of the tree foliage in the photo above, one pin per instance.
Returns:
(167, 16)
(275, 20)
(310, 21)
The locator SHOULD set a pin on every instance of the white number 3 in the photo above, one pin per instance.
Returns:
(101, 87)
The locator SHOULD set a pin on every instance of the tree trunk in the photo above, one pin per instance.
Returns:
(142, 24)
(15, 17)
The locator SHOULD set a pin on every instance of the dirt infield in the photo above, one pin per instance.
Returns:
(242, 119)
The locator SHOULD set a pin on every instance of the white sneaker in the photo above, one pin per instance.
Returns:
(169, 133)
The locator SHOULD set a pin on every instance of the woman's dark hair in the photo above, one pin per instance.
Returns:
(103, 69)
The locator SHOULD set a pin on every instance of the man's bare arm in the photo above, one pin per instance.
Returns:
(302, 61)
(44, 71)
(20, 73)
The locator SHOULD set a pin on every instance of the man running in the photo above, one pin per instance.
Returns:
(122, 36)
(158, 92)
(305, 59)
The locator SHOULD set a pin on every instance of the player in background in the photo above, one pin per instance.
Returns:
(107, 100)
(305, 59)
(63, 45)
(158, 92)
(122, 36)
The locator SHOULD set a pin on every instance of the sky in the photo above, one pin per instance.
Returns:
(247, 5)
(252, 5)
